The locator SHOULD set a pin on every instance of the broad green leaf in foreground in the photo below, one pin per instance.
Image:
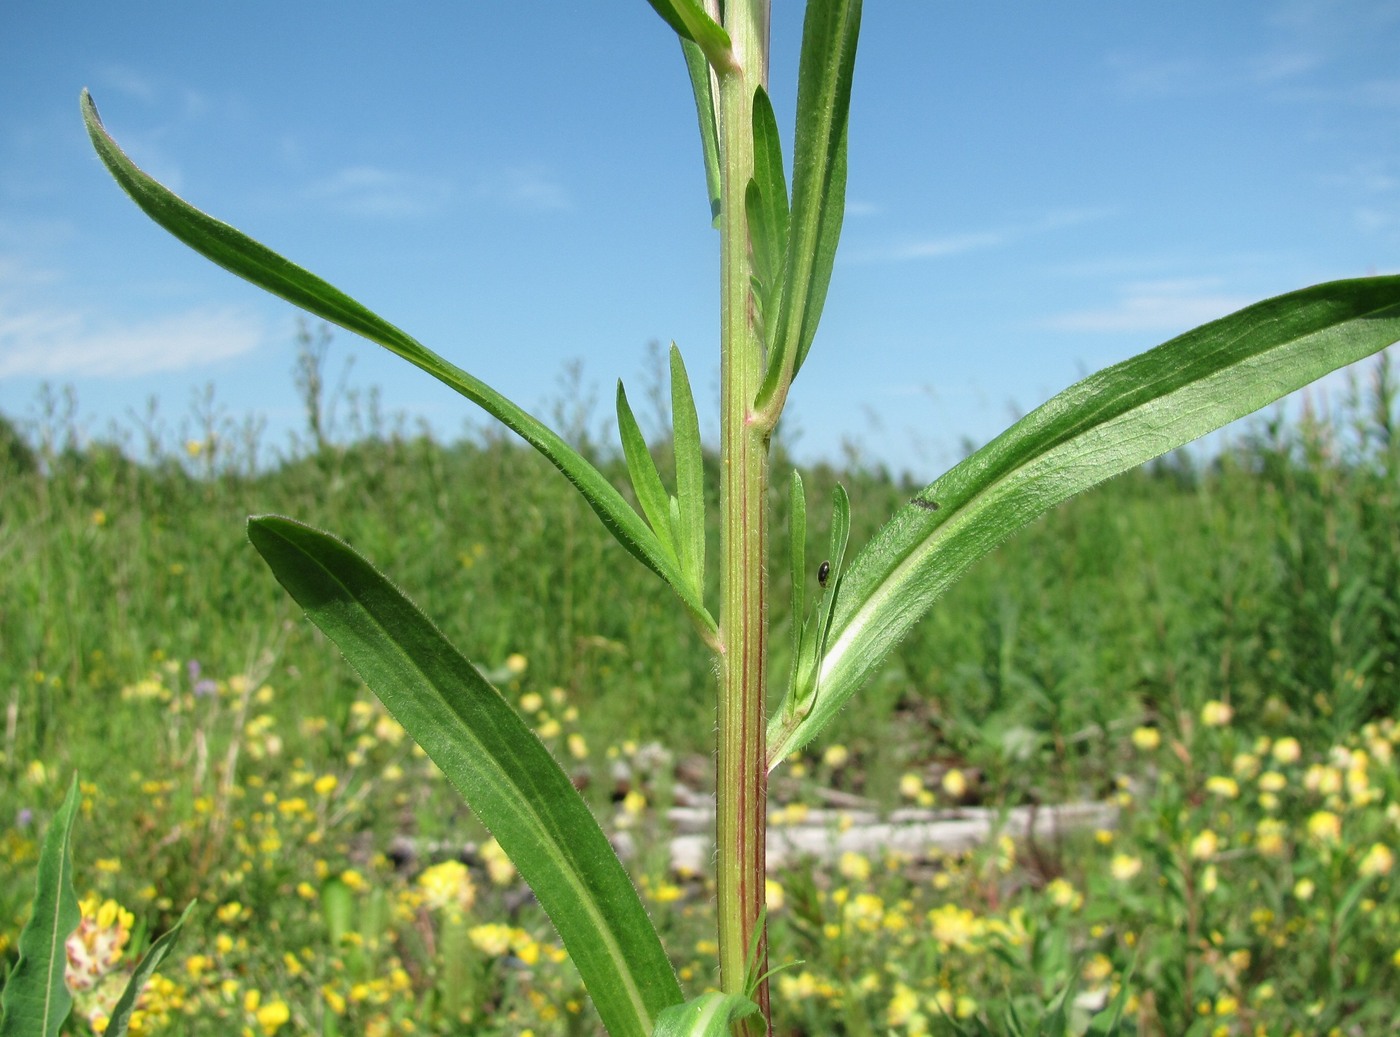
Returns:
(36, 1000)
(501, 768)
(1106, 424)
(255, 262)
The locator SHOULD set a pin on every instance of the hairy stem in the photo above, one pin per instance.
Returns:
(742, 768)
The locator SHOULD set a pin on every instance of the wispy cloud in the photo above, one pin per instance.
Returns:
(1165, 306)
(54, 344)
(123, 79)
(523, 187)
(940, 246)
(381, 193)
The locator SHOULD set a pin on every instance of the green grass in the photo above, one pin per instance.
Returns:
(146, 646)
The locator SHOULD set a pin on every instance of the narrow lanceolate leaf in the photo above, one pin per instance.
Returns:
(690, 476)
(829, 36)
(702, 86)
(804, 687)
(646, 480)
(253, 261)
(36, 1001)
(690, 22)
(1110, 422)
(494, 760)
(797, 554)
(126, 1004)
(767, 203)
(709, 1015)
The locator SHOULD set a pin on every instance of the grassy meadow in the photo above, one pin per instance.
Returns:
(1212, 646)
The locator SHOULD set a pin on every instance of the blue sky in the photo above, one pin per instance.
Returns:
(1036, 190)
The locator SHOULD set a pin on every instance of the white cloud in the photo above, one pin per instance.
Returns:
(524, 187)
(379, 193)
(942, 246)
(54, 344)
(1168, 307)
(125, 80)
(1138, 75)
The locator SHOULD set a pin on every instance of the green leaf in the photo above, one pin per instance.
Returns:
(160, 950)
(703, 88)
(767, 202)
(1106, 424)
(240, 254)
(501, 768)
(797, 554)
(709, 1015)
(804, 686)
(825, 70)
(35, 1000)
(646, 480)
(690, 476)
(690, 22)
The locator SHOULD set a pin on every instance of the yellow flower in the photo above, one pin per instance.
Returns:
(273, 1015)
(578, 748)
(1272, 781)
(1269, 837)
(1205, 846)
(1287, 750)
(1063, 894)
(230, 912)
(1210, 880)
(325, 784)
(1147, 738)
(855, 866)
(836, 756)
(954, 926)
(903, 1008)
(1216, 713)
(492, 939)
(498, 865)
(1219, 785)
(1378, 860)
(1325, 826)
(1323, 779)
(1304, 889)
(667, 892)
(1124, 866)
(516, 664)
(1097, 969)
(96, 945)
(910, 785)
(955, 783)
(773, 895)
(448, 886)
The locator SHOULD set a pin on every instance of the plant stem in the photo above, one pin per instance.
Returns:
(742, 778)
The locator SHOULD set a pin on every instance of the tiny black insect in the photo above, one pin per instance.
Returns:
(927, 505)
(823, 573)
